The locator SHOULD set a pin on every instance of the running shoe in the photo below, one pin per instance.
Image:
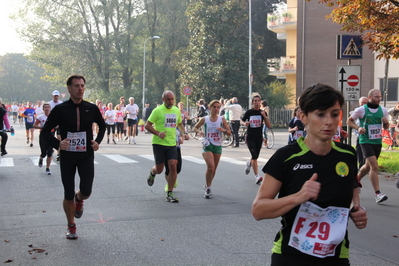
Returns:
(150, 179)
(107, 141)
(27, 140)
(40, 162)
(71, 232)
(31, 145)
(58, 157)
(248, 168)
(258, 180)
(3, 153)
(380, 197)
(208, 193)
(114, 141)
(171, 198)
(126, 138)
(134, 141)
(48, 171)
(128, 141)
(78, 207)
(397, 180)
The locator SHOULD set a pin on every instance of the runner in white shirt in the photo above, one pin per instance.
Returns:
(55, 101)
(45, 148)
(109, 117)
(131, 110)
(14, 110)
(38, 108)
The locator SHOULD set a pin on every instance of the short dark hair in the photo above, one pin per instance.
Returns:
(263, 102)
(319, 97)
(74, 76)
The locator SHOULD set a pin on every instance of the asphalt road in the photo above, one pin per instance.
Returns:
(126, 222)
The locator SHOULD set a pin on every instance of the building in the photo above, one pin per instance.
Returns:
(311, 49)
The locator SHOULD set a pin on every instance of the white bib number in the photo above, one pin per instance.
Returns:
(77, 141)
(255, 121)
(213, 134)
(298, 134)
(374, 131)
(170, 120)
(317, 231)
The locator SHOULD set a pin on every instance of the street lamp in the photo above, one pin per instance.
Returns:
(151, 38)
(250, 76)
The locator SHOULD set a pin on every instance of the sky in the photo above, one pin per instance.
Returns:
(10, 42)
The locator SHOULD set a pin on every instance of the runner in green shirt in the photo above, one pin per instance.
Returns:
(162, 124)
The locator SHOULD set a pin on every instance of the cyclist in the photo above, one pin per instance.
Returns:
(254, 119)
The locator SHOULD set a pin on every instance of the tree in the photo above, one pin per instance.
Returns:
(168, 20)
(215, 61)
(20, 79)
(377, 20)
(95, 37)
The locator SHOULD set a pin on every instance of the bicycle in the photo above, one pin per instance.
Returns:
(190, 128)
(270, 138)
(228, 140)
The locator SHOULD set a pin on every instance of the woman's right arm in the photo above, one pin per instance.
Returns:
(267, 206)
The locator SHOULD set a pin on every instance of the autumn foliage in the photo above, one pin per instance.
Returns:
(377, 20)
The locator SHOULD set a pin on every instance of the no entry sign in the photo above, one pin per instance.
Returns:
(349, 81)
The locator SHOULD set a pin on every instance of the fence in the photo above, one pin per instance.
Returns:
(279, 117)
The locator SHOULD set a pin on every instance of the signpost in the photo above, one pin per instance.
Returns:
(349, 81)
(187, 91)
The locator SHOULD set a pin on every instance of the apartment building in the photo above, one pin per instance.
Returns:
(311, 49)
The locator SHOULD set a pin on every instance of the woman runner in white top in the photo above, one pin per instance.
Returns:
(212, 151)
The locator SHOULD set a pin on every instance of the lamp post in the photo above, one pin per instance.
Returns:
(250, 76)
(151, 38)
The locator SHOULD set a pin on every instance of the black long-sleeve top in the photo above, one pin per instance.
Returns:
(65, 116)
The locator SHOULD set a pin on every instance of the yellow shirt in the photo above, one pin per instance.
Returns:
(165, 120)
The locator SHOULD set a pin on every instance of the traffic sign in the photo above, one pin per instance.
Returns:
(349, 77)
(187, 91)
(349, 47)
(63, 95)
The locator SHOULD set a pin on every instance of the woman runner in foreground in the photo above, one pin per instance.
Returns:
(315, 180)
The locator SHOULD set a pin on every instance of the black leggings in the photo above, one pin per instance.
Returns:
(119, 127)
(110, 128)
(4, 138)
(45, 149)
(254, 144)
(85, 168)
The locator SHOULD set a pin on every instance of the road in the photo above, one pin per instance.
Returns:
(126, 222)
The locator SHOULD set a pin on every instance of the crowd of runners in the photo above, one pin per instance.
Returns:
(316, 171)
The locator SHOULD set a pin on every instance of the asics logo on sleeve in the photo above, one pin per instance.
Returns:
(302, 166)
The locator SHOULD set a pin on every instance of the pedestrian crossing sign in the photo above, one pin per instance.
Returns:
(349, 47)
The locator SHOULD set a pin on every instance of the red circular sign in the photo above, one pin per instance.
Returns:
(353, 80)
(187, 90)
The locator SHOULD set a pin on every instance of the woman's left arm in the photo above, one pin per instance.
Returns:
(358, 213)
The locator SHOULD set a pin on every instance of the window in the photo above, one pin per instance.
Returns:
(392, 89)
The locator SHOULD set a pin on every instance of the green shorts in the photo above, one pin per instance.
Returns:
(212, 148)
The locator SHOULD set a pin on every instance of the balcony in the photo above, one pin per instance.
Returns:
(285, 65)
(280, 22)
